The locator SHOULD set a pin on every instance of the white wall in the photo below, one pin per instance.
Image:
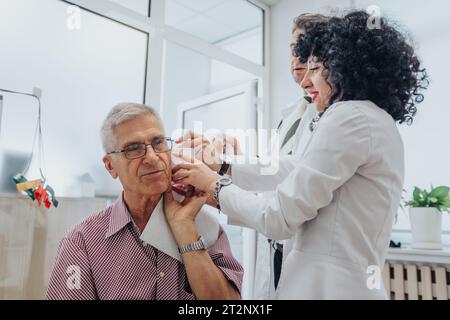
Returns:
(426, 142)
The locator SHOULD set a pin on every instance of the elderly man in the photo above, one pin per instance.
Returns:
(146, 245)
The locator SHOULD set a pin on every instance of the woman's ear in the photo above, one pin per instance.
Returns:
(109, 166)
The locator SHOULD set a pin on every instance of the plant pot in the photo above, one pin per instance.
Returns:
(426, 227)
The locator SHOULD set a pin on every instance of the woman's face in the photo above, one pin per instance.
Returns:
(316, 85)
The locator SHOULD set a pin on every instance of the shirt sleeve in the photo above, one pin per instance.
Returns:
(71, 277)
(339, 146)
(220, 253)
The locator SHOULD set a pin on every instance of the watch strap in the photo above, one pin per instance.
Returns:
(194, 246)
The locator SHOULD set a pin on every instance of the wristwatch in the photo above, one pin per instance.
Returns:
(194, 246)
(223, 181)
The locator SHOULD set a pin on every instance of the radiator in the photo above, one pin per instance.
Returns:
(410, 281)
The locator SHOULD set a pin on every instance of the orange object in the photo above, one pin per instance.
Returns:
(40, 195)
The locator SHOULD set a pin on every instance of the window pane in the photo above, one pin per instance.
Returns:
(210, 76)
(235, 25)
(140, 6)
(82, 72)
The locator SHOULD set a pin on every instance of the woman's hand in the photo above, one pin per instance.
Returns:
(196, 174)
(209, 152)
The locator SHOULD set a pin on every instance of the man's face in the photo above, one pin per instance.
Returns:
(149, 175)
(298, 69)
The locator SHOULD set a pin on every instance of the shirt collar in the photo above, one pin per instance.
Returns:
(157, 232)
(120, 217)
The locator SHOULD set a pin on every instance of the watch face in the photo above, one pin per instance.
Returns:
(225, 180)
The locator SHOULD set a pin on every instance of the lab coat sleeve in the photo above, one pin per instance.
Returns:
(340, 145)
(258, 177)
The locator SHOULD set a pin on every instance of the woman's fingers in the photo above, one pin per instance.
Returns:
(184, 156)
(218, 144)
(184, 181)
(190, 143)
(185, 166)
(180, 189)
(180, 174)
(187, 136)
(234, 143)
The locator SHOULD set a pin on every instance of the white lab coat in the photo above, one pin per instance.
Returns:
(264, 288)
(337, 197)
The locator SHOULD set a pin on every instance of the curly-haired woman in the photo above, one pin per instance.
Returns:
(339, 196)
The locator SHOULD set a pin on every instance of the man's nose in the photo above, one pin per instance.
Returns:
(151, 156)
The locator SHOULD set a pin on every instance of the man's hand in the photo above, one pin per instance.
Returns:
(181, 216)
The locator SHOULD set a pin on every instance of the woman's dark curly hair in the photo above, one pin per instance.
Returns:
(363, 63)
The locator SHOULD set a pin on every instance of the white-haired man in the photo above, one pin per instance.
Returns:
(146, 245)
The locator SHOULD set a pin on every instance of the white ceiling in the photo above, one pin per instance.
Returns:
(213, 20)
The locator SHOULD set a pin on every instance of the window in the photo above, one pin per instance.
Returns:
(82, 72)
(235, 25)
(189, 75)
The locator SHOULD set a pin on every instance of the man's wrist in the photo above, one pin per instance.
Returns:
(184, 232)
(199, 245)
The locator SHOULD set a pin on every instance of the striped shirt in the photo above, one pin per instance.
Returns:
(104, 258)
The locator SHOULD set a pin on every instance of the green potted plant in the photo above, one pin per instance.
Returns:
(425, 214)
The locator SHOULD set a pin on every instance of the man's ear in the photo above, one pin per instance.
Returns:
(109, 166)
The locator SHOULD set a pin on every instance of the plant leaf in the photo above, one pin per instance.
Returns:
(433, 200)
(416, 194)
(440, 192)
(446, 202)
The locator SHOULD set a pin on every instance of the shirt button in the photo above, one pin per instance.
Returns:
(162, 274)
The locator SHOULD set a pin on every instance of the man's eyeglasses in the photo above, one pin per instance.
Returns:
(139, 150)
